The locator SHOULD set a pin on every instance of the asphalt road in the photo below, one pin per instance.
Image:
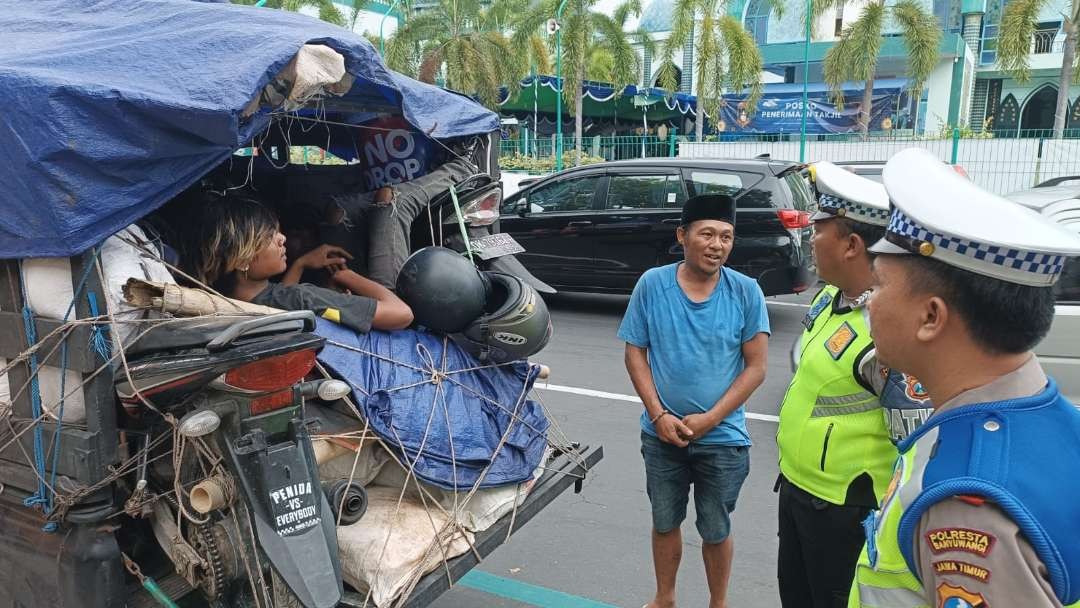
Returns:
(592, 550)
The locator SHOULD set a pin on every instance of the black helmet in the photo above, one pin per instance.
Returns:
(515, 325)
(444, 290)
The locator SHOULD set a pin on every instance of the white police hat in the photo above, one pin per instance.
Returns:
(841, 193)
(938, 213)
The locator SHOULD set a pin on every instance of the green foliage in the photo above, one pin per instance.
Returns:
(856, 53)
(947, 131)
(327, 10)
(592, 44)
(727, 57)
(1015, 34)
(520, 162)
(462, 42)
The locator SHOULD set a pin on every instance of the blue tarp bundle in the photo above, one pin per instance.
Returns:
(112, 107)
(450, 429)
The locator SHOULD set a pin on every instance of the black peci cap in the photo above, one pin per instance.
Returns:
(719, 207)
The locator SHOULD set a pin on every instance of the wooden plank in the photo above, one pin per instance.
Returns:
(562, 473)
(99, 394)
(81, 457)
(80, 358)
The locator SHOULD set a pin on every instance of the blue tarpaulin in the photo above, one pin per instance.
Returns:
(450, 424)
(112, 107)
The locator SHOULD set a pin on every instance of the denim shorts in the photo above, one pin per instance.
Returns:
(717, 473)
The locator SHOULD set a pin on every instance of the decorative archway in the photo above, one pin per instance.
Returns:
(1074, 115)
(657, 79)
(1038, 112)
(756, 20)
(1007, 117)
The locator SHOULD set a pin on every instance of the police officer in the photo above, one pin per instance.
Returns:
(983, 503)
(836, 455)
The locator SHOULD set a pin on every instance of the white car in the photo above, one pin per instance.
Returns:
(1059, 353)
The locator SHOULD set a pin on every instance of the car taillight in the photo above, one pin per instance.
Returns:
(271, 402)
(483, 211)
(272, 374)
(793, 219)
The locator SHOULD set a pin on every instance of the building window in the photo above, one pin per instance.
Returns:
(949, 15)
(1045, 35)
(989, 40)
(838, 30)
(757, 20)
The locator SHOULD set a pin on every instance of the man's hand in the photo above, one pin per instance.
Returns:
(325, 256)
(672, 430)
(699, 424)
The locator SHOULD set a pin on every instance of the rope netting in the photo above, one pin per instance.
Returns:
(56, 496)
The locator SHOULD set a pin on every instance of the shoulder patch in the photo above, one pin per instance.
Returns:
(952, 566)
(840, 340)
(914, 389)
(964, 540)
(950, 596)
(816, 310)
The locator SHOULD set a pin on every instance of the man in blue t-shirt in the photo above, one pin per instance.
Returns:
(697, 337)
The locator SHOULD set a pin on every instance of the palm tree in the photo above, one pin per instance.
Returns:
(584, 32)
(327, 11)
(855, 55)
(726, 55)
(462, 42)
(1014, 49)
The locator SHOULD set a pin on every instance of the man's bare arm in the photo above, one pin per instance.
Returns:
(668, 427)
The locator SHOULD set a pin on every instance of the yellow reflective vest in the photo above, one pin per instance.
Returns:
(832, 427)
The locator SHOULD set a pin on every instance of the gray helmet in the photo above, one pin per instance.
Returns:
(515, 325)
(444, 290)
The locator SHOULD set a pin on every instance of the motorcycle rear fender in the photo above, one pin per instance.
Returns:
(293, 521)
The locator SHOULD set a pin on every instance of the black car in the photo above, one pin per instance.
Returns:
(598, 228)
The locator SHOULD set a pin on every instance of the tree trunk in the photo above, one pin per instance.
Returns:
(579, 108)
(867, 104)
(699, 122)
(1068, 54)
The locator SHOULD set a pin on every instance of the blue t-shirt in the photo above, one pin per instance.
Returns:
(695, 348)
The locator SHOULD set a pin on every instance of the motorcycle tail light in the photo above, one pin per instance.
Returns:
(793, 219)
(271, 402)
(483, 211)
(134, 399)
(272, 374)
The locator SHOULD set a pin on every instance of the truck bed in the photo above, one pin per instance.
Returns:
(562, 473)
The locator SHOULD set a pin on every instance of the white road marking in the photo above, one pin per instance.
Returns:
(588, 392)
(794, 304)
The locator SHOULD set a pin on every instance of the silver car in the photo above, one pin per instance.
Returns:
(1059, 353)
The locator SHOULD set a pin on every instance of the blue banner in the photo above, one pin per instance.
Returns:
(782, 111)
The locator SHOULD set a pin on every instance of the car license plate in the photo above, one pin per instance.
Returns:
(495, 245)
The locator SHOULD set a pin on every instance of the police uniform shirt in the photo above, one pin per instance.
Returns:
(904, 403)
(964, 542)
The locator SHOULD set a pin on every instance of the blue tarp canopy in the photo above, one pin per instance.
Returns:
(112, 107)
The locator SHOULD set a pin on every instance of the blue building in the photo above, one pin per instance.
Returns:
(967, 87)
